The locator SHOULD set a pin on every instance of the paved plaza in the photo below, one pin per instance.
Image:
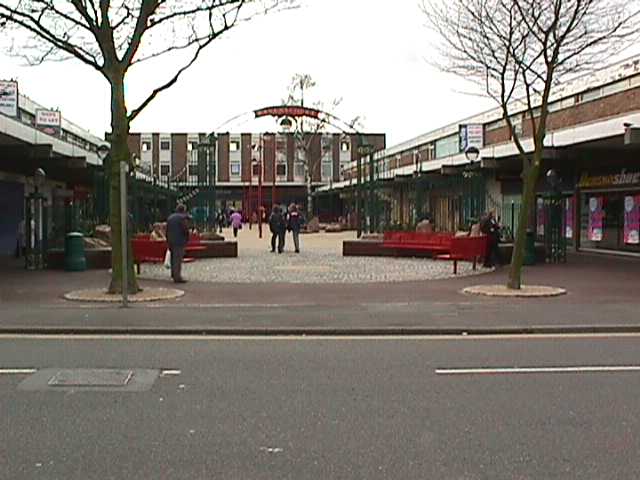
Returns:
(320, 261)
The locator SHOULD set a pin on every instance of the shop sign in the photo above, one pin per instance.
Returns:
(632, 219)
(9, 98)
(569, 209)
(612, 180)
(596, 218)
(471, 135)
(48, 121)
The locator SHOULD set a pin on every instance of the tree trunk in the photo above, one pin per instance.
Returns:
(528, 199)
(119, 153)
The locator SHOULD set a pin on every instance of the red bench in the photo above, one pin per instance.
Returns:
(436, 243)
(154, 251)
(470, 249)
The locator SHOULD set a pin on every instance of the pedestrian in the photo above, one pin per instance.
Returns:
(177, 238)
(294, 223)
(491, 228)
(236, 223)
(220, 220)
(278, 227)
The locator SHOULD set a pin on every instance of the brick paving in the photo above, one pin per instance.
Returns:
(320, 261)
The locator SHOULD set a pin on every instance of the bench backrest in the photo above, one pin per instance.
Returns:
(421, 238)
(148, 248)
(469, 247)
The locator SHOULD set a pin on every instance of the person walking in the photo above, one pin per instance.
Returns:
(177, 238)
(491, 228)
(236, 223)
(278, 226)
(221, 219)
(294, 223)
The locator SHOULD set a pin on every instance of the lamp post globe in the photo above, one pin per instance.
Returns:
(472, 154)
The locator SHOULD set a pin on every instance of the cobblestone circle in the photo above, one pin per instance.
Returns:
(320, 261)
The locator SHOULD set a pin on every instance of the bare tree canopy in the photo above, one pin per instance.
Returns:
(519, 51)
(114, 35)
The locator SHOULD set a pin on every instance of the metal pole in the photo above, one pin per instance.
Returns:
(358, 193)
(273, 185)
(371, 194)
(123, 229)
(260, 166)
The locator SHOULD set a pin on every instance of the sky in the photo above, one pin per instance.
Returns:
(374, 54)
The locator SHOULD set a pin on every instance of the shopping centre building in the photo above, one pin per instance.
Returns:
(592, 144)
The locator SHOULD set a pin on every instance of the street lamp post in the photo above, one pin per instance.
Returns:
(259, 162)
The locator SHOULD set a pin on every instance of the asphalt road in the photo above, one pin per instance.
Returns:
(304, 408)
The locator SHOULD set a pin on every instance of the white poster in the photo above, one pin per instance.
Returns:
(48, 121)
(9, 98)
(475, 135)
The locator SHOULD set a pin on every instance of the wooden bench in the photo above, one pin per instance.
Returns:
(435, 243)
(470, 249)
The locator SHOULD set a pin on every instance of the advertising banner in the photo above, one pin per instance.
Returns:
(632, 219)
(9, 98)
(540, 217)
(569, 209)
(471, 135)
(49, 121)
(596, 219)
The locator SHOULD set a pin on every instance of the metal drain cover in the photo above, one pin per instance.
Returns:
(83, 377)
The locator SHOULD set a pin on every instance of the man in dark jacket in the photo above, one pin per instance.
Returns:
(294, 224)
(177, 238)
(278, 226)
(490, 227)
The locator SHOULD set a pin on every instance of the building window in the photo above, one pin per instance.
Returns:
(299, 170)
(327, 170)
(192, 146)
(281, 169)
(165, 170)
(146, 146)
(234, 146)
(344, 146)
(165, 145)
(193, 170)
(255, 169)
(235, 169)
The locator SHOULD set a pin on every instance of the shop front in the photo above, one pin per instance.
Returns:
(609, 211)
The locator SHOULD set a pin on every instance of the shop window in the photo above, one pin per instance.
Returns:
(165, 145)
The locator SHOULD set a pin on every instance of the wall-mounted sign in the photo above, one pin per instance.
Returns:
(596, 219)
(49, 121)
(9, 98)
(612, 180)
(471, 135)
(632, 219)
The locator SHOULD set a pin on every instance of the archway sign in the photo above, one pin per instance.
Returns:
(288, 111)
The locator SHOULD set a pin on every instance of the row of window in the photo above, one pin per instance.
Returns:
(66, 136)
(234, 145)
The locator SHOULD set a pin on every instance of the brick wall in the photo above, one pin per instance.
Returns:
(245, 168)
(179, 154)
(581, 113)
(223, 157)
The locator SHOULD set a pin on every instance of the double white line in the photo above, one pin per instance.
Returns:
(521, 370)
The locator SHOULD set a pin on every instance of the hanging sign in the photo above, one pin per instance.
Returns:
(569, 209)
(49, 121)
(540, 220)
(9, 98)
(632, 219)
(596, 219)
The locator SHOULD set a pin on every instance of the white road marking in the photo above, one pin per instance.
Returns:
(166, 373)
(17, 371)
(520, 370)
(354, 337)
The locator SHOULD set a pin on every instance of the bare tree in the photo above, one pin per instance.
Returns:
(519, 51)
(112, 36)
(306, 131)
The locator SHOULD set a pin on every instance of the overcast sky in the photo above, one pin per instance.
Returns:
(372, 53)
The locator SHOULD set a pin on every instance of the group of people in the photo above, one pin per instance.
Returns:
(280, 222)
